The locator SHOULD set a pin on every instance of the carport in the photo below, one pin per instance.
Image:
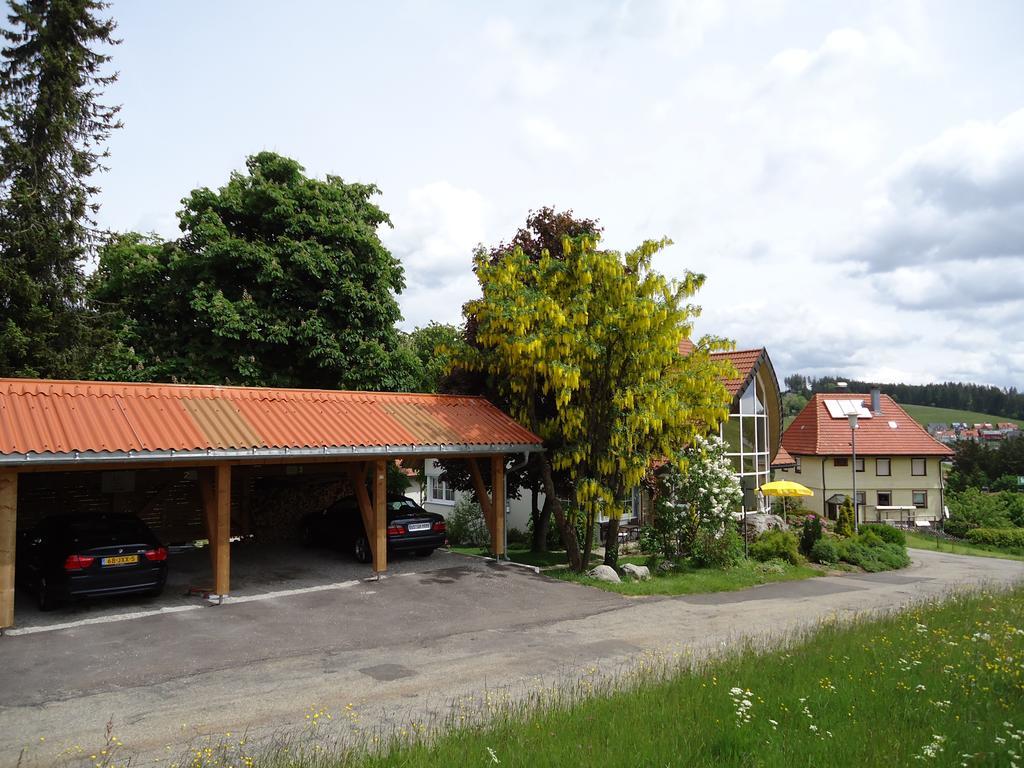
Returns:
(206, 436)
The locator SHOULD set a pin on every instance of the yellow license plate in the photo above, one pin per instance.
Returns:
(121, 560)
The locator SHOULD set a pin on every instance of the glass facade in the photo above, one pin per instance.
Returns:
(747, 435)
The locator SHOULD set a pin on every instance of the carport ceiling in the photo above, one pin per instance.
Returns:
(45, 423)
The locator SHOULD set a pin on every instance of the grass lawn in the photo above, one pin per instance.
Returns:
(938, 685)
(925, 415)
(923, 541)
(689, 580)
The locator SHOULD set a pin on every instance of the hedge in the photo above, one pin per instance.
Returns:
(997, 537)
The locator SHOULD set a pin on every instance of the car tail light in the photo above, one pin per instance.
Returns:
(395, 530)
(78, 562)
(157, 555)
(439, 527)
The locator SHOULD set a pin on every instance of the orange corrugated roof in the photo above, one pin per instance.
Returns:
(59, 417)
(815, 433)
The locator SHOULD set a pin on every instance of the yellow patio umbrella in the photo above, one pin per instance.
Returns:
(785, 488)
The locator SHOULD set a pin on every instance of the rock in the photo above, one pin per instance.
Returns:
(758, 524)
(638, 572)
(604, 573)
(666, 566)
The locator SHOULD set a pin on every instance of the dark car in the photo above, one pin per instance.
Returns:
(410, 528)
(66, 557)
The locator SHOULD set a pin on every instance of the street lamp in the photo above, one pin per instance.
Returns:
(853, 469)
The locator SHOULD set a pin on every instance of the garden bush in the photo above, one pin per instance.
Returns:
(717, 550)
(776, 545)
(825, 551)
(857, 550)
(886, 533)
(997, 537)
(810, 534)
(845, 526)
(976, 509)
(466, 525)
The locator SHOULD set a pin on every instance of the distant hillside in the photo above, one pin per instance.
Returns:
(926, 414)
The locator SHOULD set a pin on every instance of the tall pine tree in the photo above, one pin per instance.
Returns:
(53, 129)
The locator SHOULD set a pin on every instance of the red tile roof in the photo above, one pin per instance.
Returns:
(62, 417)
(815, 433)
(783, 459)
(745, 362)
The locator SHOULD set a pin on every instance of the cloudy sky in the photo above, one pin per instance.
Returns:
(849, 176)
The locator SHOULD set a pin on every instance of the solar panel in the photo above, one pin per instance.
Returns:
(840, 409)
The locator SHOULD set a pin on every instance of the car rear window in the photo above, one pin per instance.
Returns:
(402, 505)
(106, 528)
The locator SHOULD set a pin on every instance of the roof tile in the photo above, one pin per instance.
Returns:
(815, 433)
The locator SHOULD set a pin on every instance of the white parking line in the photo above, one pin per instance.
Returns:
(230, 600)
(102, 620)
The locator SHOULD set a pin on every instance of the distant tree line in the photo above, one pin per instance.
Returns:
(1007, 402)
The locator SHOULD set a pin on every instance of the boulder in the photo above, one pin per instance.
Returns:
(638, 572)
(666, 566)
(604, 573)
(758, 524)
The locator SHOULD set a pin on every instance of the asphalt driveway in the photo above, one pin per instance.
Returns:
(396, 650)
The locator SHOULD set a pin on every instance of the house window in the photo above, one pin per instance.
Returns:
(841, 461)
(884, 499)
(920, 499)
(919, 467)
(860, 465)
(441, 492)
(883, 467)
(798, 466)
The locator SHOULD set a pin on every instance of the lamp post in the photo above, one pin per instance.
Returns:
(853, 470)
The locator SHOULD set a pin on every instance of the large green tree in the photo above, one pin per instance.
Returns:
(431, 348)
(278, 279)
(598, 332)
(53, 126)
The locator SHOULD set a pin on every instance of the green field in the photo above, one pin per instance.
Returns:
(926, 414)
(923, 541)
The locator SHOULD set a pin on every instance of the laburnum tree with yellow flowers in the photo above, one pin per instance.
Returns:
(596, 332)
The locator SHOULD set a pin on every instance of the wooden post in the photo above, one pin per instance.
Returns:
(215, 487)
(498, 505)
(8, 537)
(380, 516)
(222, 558)
(481, 494)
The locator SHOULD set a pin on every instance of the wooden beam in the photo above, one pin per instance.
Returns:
(222, 559)
(380, 515)
(208, 493)
(498, 504)
(357, 473)
(482, 496)
(8, 538)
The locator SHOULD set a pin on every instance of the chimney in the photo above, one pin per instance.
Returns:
(876, 401)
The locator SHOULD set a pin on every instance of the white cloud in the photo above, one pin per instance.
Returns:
(843, 50)
(544, 134)
(435, 232)
(958, 198)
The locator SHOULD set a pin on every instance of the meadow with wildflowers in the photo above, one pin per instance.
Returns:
(939, 684)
